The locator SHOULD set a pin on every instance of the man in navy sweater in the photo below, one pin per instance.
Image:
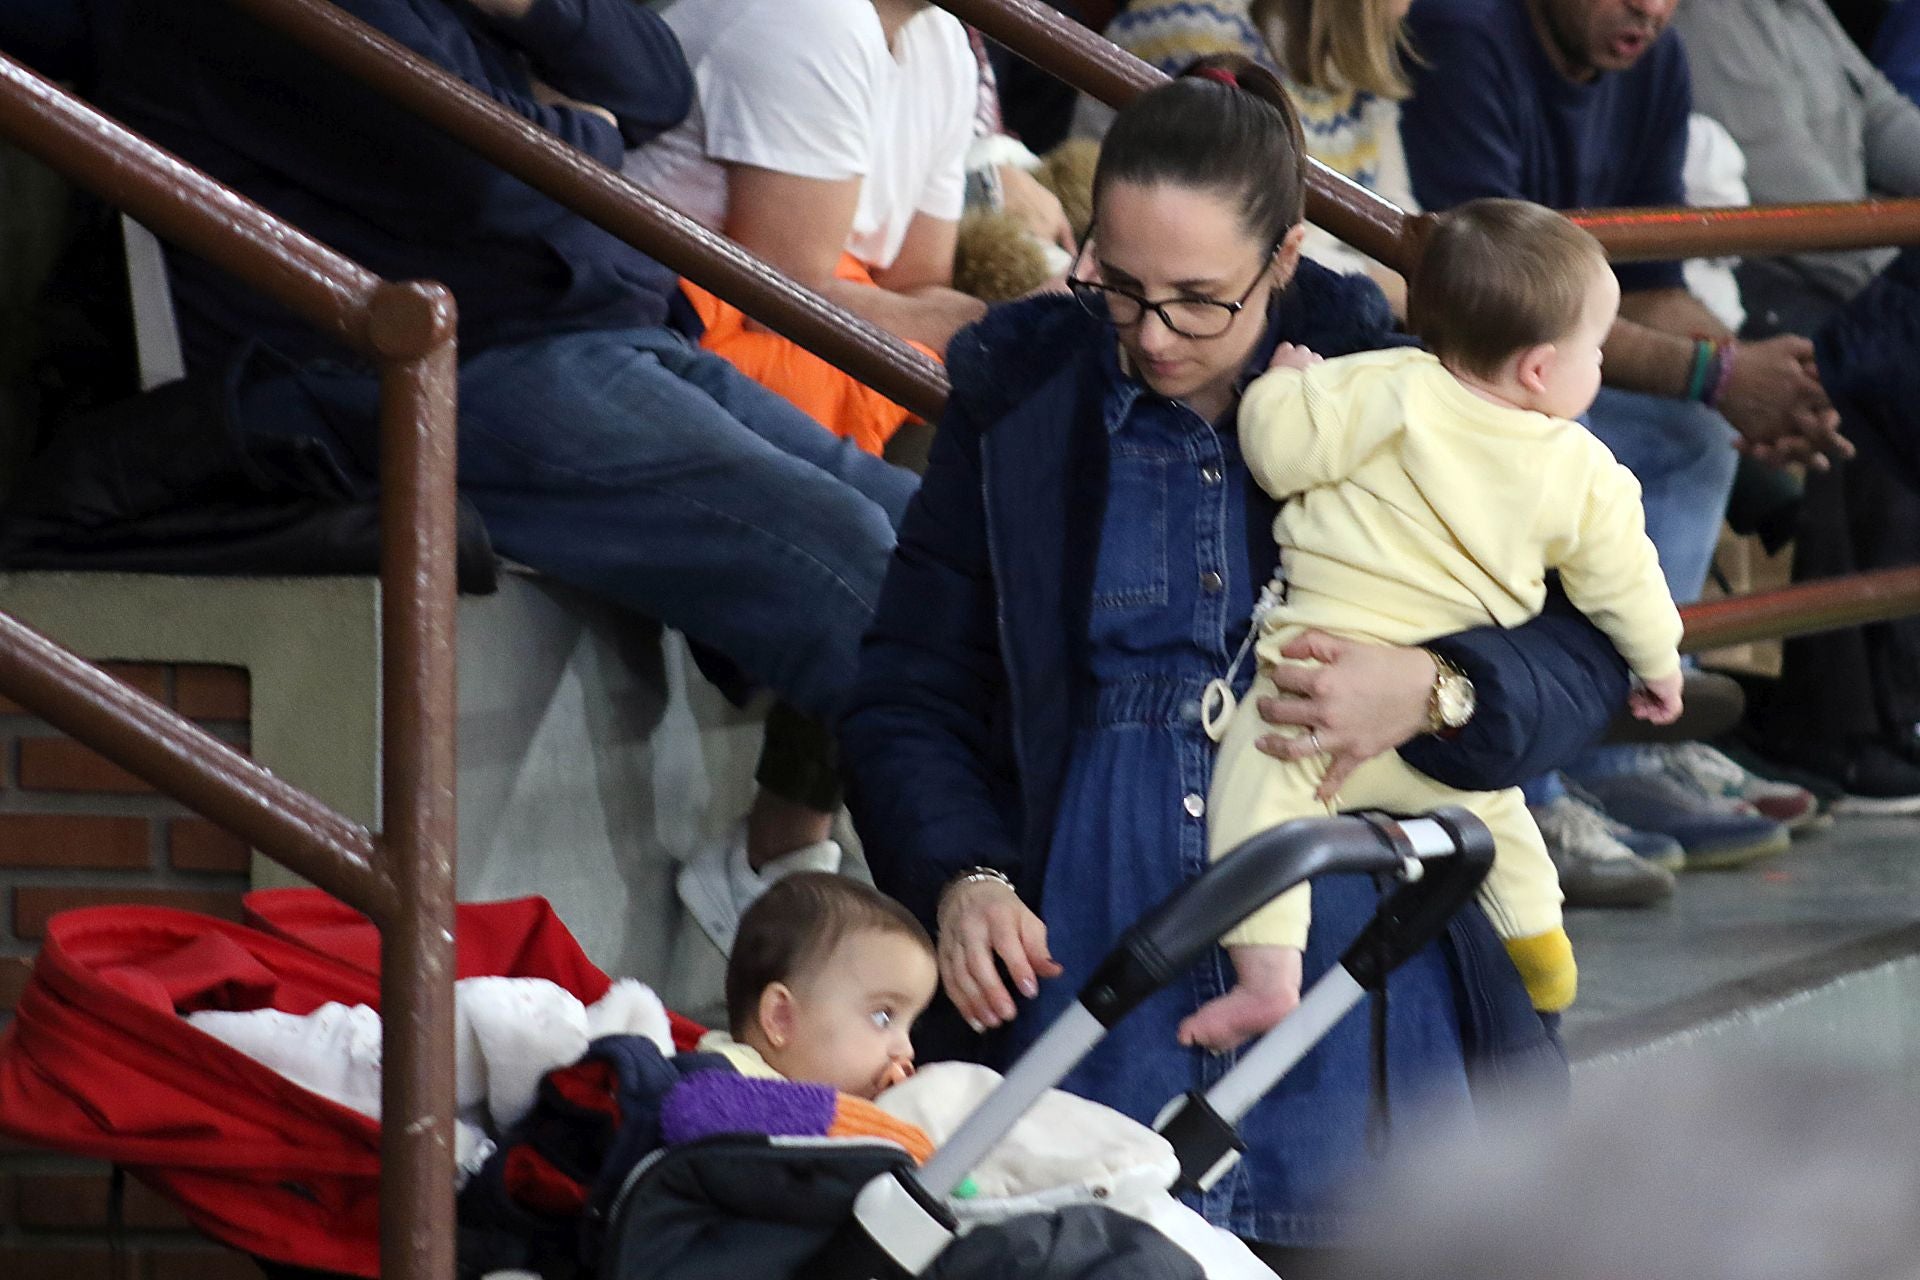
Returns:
(1582, 104)
(598, 444)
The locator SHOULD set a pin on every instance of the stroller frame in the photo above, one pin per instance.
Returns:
(900, 1224)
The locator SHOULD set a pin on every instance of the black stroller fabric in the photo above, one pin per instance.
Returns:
(1080, 1242)
(754, 1207)
(539, 1202)
(738, 1207)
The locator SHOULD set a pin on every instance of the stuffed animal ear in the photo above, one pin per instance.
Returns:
(995, 259)
(1067, 171)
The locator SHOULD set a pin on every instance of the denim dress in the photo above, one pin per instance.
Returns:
(1172, 596)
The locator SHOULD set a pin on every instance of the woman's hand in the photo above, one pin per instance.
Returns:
(979, 921)
(1364, 699)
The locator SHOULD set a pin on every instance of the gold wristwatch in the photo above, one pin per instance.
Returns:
(1450, 702)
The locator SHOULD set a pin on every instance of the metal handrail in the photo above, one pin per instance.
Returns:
(1093, 64)
(603, 196)
(1802, 609)
(1088, 61)
(403, 877)
(1654, 235)
(1035, 31)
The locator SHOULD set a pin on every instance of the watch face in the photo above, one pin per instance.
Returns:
(1455, 696)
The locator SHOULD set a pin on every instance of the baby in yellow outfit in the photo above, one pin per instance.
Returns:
(1430, 494)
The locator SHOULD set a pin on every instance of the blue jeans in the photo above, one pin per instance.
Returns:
(1682, 454)
(636, 466)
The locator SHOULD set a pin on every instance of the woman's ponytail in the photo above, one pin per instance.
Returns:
(1225, 124)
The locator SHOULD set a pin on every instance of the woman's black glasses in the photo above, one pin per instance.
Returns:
(1188, 317)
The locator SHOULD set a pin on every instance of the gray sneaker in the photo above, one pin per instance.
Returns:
(1596, 868)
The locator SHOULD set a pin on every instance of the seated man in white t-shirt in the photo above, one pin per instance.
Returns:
(827, 137)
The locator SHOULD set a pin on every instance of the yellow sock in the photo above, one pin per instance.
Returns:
(1545, 962)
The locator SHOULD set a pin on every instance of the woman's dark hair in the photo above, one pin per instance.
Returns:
(1224, 125)
(795, 925)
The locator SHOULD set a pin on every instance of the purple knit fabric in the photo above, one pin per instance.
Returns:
(713, 1102)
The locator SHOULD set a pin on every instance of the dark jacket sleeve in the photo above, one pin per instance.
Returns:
(920, 739)
(374, 156)
(572, 44)
(615, 54)
(1545, 692)
(1896, 49)
(48, 35)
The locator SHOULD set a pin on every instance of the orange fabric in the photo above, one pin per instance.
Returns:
(836, 399)
(857, 1118)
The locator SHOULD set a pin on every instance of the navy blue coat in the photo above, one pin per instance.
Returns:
(959, 725)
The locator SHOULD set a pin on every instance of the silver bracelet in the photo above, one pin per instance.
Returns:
(974, 875)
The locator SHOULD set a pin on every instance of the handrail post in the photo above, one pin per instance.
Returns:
(412, 327)
(404, 880)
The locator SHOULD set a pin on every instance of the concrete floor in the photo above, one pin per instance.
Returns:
(1840, 902)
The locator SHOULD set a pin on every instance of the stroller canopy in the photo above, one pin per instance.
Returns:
(99, 1061)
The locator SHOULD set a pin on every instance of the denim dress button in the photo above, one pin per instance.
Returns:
(1195, 804)
(1210, 475)
(1211, 582)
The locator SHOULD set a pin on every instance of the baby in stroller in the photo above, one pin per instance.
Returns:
(824, 984)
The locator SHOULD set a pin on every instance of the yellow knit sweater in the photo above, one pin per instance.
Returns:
(1419, 509)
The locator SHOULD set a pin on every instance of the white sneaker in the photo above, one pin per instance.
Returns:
(1717, 774)
(717, 885)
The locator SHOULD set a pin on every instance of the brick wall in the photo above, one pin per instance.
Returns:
(76, 830)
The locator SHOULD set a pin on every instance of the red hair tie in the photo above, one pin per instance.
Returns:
(1220, 75)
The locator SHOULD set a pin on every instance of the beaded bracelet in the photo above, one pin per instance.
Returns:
(1699, 376)
(1723, 373)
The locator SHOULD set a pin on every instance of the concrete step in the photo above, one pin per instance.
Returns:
(1812, 956)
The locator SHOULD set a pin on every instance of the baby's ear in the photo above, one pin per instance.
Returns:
(1534, 366)
(776, 1014)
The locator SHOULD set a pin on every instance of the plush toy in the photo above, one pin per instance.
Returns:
(996, 258)
(1067, 171)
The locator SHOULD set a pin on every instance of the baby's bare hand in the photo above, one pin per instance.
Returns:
(1290, 355)
(1658, 701)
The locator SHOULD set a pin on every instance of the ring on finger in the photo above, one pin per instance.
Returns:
(1313, 739)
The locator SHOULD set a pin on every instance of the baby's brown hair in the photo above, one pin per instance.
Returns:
(1497, 277)
(795, 925)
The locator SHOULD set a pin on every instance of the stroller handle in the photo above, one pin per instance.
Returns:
(1158, 948)
(1201, 1127)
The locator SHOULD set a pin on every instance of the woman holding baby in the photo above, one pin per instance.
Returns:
(1029, 769)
